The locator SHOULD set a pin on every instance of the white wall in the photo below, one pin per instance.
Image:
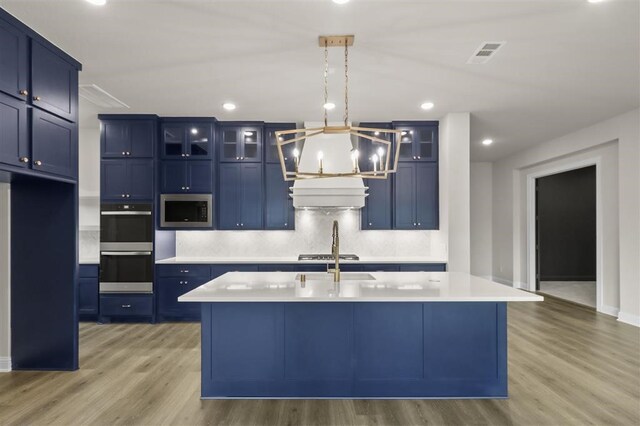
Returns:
(455, 218)
(5, 278)
(481, 222)
(89, 174)
(621, 179)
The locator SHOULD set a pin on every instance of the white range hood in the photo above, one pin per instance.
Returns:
(329, 193)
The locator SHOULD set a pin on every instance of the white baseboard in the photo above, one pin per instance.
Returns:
(609, 310)
(629, 319)
(5, 364)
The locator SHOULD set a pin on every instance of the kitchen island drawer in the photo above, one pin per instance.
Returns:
(184, 270)
(117, 305)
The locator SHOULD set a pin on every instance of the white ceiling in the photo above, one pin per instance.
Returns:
(566, 63)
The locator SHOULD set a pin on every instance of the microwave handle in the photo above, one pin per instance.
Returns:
(122, 213)
(125, 253)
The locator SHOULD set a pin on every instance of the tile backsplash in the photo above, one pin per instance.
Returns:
(89, 245)
(312, 235)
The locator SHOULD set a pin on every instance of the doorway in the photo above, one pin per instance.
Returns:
(566, 235)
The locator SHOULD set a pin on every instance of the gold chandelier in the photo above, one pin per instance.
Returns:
(381, 149)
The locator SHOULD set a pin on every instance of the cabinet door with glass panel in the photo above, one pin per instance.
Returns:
(271, 144)
(418, 140)
(184, 140)
(241, 142)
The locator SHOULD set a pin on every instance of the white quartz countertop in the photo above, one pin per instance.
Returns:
(294, 259)
(89, 260)
(355, 287)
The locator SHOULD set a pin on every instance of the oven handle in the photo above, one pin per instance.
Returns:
(125, 253)
(118, 213)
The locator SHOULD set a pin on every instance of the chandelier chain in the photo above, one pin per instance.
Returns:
(346, 83)
(326, 80)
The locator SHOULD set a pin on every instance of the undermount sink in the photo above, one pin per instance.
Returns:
(344, 276)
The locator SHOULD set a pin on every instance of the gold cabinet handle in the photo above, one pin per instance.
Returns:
(37, 98)
(38, 163)
(24, 92)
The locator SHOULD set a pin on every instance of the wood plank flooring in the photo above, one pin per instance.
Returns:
(567, 365)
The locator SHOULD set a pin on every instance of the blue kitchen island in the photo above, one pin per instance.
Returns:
(378, 335)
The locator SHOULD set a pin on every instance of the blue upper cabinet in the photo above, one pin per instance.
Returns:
(376, 213)
(271, 143)
(54, 82)
(127, 137)
(240, 142)
(54, 145)
(240, 205)
(418, 140)
(14, 66)
(126, 179)
(186, 176)
(14, 143)
(186, 139)
(279, 211)
(416, 196)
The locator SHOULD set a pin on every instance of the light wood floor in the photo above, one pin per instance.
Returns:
(567, 365)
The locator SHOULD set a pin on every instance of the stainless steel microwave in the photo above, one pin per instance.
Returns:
(186, 210)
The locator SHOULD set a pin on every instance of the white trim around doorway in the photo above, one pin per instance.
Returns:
(531, 223)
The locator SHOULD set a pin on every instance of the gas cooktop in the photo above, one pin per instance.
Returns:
(327, 257)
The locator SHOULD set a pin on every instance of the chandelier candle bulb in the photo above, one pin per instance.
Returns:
(374, 159)
(296, 158)
(381, 156)
(354, 159)
(320, 157)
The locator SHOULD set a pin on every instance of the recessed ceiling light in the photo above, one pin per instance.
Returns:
(98, 2)
(487, 142)
(229, 106)
(340, 1)
(427, 105)
(329, 106)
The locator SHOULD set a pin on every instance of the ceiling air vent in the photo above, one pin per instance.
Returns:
(100, 97)
(485, 52)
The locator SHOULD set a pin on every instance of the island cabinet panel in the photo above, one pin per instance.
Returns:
(54, 83)
(394, 332)
(246, 343)
(318, 342)
(354, 350)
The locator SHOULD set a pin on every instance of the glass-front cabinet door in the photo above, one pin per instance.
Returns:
(241, 143)
(271, 143)
(185, 140)
(370, 152)
(418, 140)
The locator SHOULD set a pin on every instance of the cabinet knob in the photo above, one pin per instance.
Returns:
(182, 155)
(242, 224)
(128, 195)
(414, 157)
(124, 153)
(37, 98)
(188, 188)
(285, 224)
(38, 163)
(418, 157)
(126, 306)
(237, 224)
(187, 155)
(414, 224)
(122, 195)
(24, 92)
(237, 158)
(370, 224)
(128, 153)
(24, 159)
(183, 188)
(418, 223)
(186, 271)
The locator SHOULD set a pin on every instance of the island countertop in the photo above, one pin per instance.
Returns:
(355, 287)
(295, 260)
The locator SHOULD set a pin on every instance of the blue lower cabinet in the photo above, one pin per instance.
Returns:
(276, 268)
(354, 350)
(423, 267)
(369, 267)
(115, 306)
(167, 292)
(88, 287)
